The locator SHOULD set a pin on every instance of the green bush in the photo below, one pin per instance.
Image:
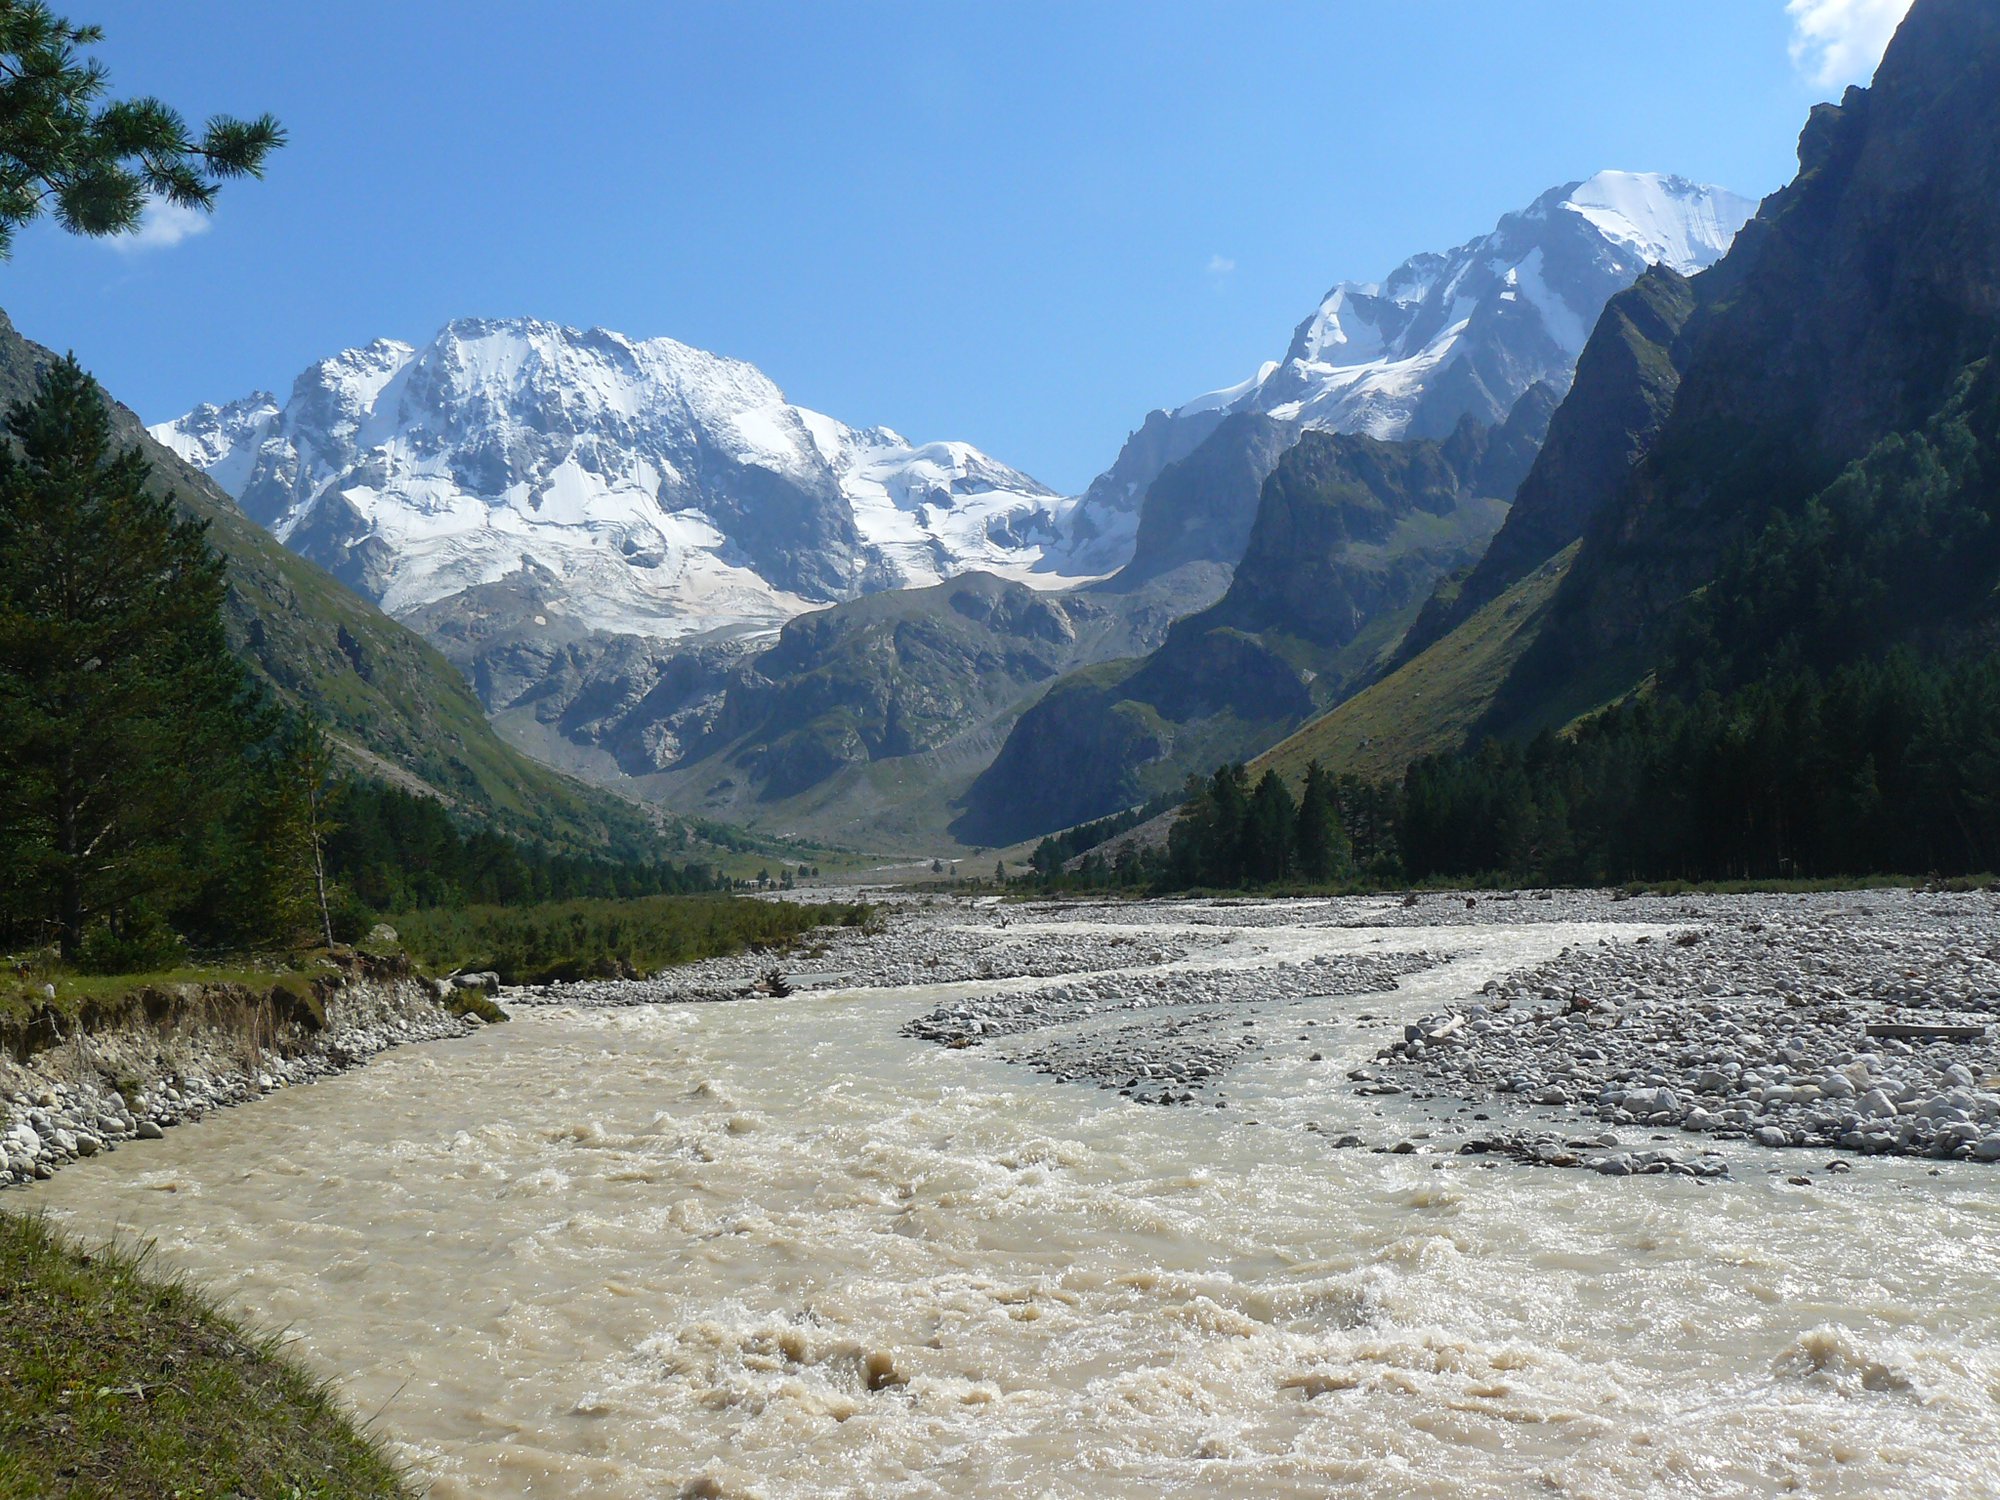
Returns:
(565, 940)
(140, 944)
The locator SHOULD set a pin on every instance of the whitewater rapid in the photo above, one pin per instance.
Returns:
(775, 1248)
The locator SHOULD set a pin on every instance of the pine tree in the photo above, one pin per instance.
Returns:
(95, 164)
(1270, 831)
(1188, 838)
(125, 715)
(1322, 841)
(1229, 795)
(304, 793)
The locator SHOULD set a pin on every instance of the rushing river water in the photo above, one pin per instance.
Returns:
(774, 1248)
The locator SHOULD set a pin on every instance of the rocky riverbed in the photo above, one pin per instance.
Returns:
(914, 942)
(1686, 1024)
(1860, 1022)
(134, 1082)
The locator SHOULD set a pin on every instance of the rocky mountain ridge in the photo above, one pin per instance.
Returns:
(673, 492)
(1351, 534)
(1445, 335)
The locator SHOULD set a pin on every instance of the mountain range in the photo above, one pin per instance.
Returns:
(668, 491)
(621, 543)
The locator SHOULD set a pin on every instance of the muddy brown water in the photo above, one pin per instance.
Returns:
(776, 1249)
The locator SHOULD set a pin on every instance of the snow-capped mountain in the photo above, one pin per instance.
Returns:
(933, 510)
(1445, 335)
(647, 487)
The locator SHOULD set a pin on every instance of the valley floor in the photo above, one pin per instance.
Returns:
(1093, 1199)
(1864, 1021)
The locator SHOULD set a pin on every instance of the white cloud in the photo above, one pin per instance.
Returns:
(162, 226)
(1219, 265)
(1836, 42)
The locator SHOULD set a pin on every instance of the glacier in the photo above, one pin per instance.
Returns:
(650, 488)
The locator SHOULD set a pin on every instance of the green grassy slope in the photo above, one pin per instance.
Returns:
(118, 1384)
(1429, 703)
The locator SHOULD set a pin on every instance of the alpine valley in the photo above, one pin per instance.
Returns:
(1433, 929)
(659, 574)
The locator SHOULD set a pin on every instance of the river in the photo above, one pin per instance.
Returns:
(775, 1248)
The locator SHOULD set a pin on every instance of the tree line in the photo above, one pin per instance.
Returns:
(1885, 766)
(1236, 831)
(1888, 766)
(1053, 852)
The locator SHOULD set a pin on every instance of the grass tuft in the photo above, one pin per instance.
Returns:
(118, 1382)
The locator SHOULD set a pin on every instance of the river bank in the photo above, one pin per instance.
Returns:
(177, 1053)
(119, 1384)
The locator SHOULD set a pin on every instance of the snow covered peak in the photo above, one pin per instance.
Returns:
(653, 487)
(1373, 357)
(222, 441)
(209, 434)
(931, 510)
(1446, 334)
(1665, 220)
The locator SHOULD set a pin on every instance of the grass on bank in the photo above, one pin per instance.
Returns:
(562, 940)
(581, 939)
(24, 991)
(118, 1383)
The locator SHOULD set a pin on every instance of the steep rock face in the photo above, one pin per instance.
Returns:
(673, 491)
(1195, 508)
(1323, 563)
(1845, 314)
(1625, 384)
(1444, 336)
(401, 711)
(1103, 527)
(1351, 533)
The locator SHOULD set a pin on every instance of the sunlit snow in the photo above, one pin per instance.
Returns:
(604, 464)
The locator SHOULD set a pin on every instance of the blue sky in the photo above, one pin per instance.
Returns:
(1020, 224)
